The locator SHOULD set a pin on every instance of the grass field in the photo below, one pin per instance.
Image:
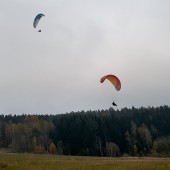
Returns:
(48, 162)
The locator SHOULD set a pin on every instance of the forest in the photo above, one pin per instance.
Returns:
(125, 132)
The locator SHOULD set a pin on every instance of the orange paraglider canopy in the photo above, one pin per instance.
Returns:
(113, 79)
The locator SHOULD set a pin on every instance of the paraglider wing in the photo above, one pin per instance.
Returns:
(114, 104)
(37, 19)
(113, 79)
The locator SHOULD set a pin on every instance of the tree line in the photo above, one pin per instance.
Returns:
(129, 131)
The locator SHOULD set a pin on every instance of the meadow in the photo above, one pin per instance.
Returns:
(12, 161)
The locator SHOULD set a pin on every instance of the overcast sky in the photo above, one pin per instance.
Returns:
(59, 69)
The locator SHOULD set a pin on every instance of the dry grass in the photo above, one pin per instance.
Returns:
(48, 162)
